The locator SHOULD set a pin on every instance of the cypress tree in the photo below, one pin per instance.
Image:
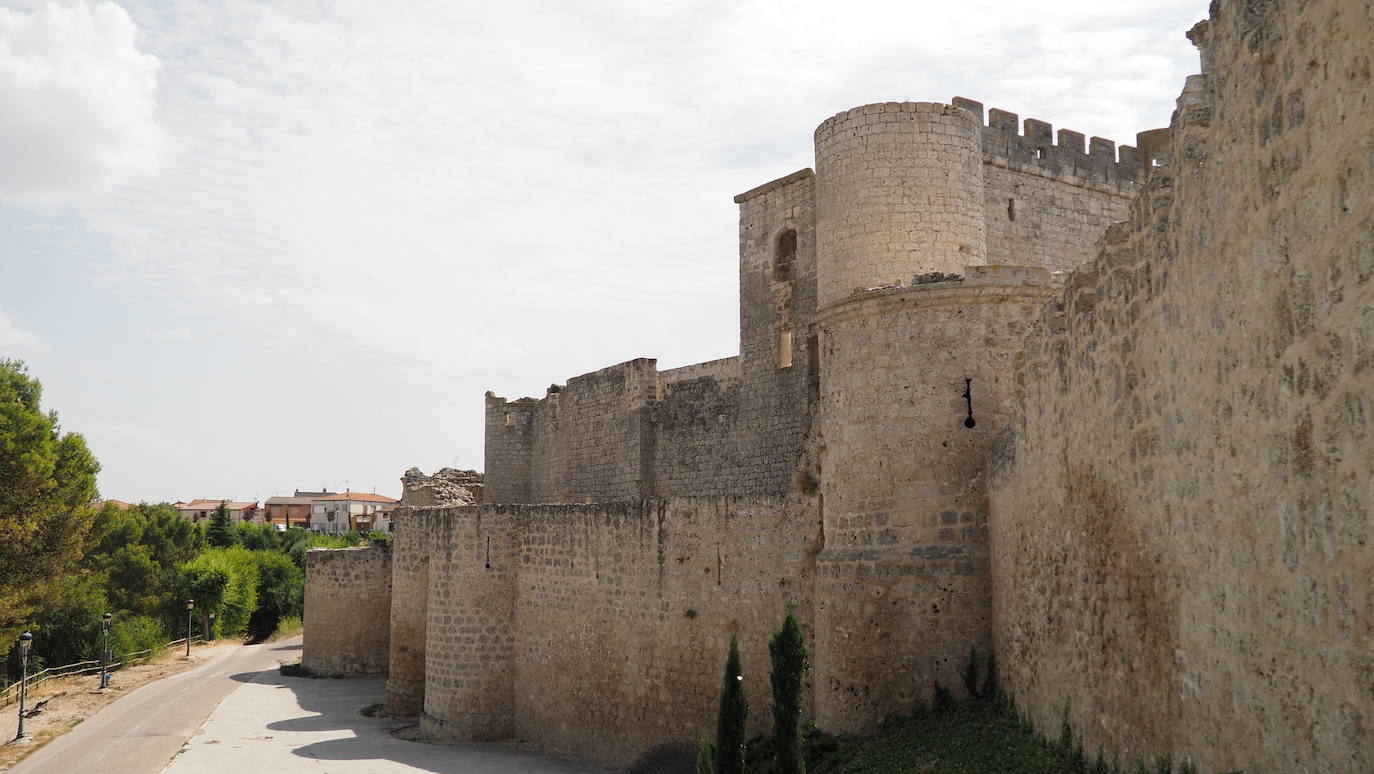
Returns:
(221, 533)
(790, 663)
(734, 713)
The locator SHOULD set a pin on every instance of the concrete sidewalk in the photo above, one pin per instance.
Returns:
(293, 724)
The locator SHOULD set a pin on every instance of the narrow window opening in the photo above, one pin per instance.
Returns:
(783, 255)
(1011, 209)
(784, 349)
(510, 419)
(968, 399)
(1040, 153)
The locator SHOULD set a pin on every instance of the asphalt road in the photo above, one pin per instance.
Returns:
(139, 733)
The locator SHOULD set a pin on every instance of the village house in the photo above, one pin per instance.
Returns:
(346, 511)
(202, 510)
(293, 511)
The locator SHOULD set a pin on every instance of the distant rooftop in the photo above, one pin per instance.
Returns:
(360, 496)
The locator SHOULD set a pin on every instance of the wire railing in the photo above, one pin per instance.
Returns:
(10, 694)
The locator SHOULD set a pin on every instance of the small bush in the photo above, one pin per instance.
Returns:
(970, 673)
(943, 698)
(295, 669)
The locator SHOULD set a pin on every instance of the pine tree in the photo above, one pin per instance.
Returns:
(221, 533)
(734, 714)
(790, 664)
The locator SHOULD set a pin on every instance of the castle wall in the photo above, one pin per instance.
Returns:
(899, 192)
(509, 449)
(903, 584)
(776, 312)
(1054, 221)
(602, 629)
(405, 678)
(1180, 532)
(347, 606)
(592, 440)
(470, 627)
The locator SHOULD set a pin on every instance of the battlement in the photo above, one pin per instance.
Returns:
(1036, 143)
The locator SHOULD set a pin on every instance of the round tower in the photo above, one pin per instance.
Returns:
(899, 192)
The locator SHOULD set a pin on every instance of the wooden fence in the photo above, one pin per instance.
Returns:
(10, 694)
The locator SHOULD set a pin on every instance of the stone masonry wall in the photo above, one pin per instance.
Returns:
(470, 628)
(410, 550)
(903, 583)
(347, 607)
(602, 629)
(899, 192)
(1181, 526)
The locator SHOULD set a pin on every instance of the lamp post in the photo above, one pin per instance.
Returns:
(25, 645)
(105, 650)
(190, 605)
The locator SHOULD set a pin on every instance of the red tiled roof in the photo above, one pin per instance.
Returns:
(196, 505)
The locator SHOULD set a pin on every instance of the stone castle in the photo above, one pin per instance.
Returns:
(1103, 411)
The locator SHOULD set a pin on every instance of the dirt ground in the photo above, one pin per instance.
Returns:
(73, 699)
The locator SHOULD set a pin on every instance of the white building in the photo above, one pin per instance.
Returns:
(349, 511)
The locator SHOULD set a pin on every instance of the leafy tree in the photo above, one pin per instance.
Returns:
(223, 581)
(791, 661)
(47, 484)
(281, 593)
(221, 533)
(134, 580)
(258, 537)
(733, 716)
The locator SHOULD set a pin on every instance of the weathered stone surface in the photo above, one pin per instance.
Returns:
(448, 486)
(1181, 541)
(347, 611)
(1133, 458)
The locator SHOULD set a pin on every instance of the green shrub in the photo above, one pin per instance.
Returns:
(943, 699)
(135, 634)
(970, 672)
(706, 757)
(281, 593)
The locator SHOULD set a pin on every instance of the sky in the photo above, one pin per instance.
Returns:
(250, 247)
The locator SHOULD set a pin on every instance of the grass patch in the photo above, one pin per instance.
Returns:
(974, 737)
(289, 626)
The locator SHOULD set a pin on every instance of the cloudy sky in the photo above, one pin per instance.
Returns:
(254, 246)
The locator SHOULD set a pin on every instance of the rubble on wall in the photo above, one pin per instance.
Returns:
(448, 486)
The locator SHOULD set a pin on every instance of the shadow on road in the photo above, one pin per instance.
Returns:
(334, 705)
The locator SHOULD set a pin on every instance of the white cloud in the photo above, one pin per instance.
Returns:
(172, 334)
(77, 102)
(14, 338)
(470, 196)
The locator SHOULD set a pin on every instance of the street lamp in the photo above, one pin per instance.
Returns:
(105, 650)
(25, 645)
(190, 605)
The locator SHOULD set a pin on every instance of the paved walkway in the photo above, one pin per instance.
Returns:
(293, 724)
(140, 732)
